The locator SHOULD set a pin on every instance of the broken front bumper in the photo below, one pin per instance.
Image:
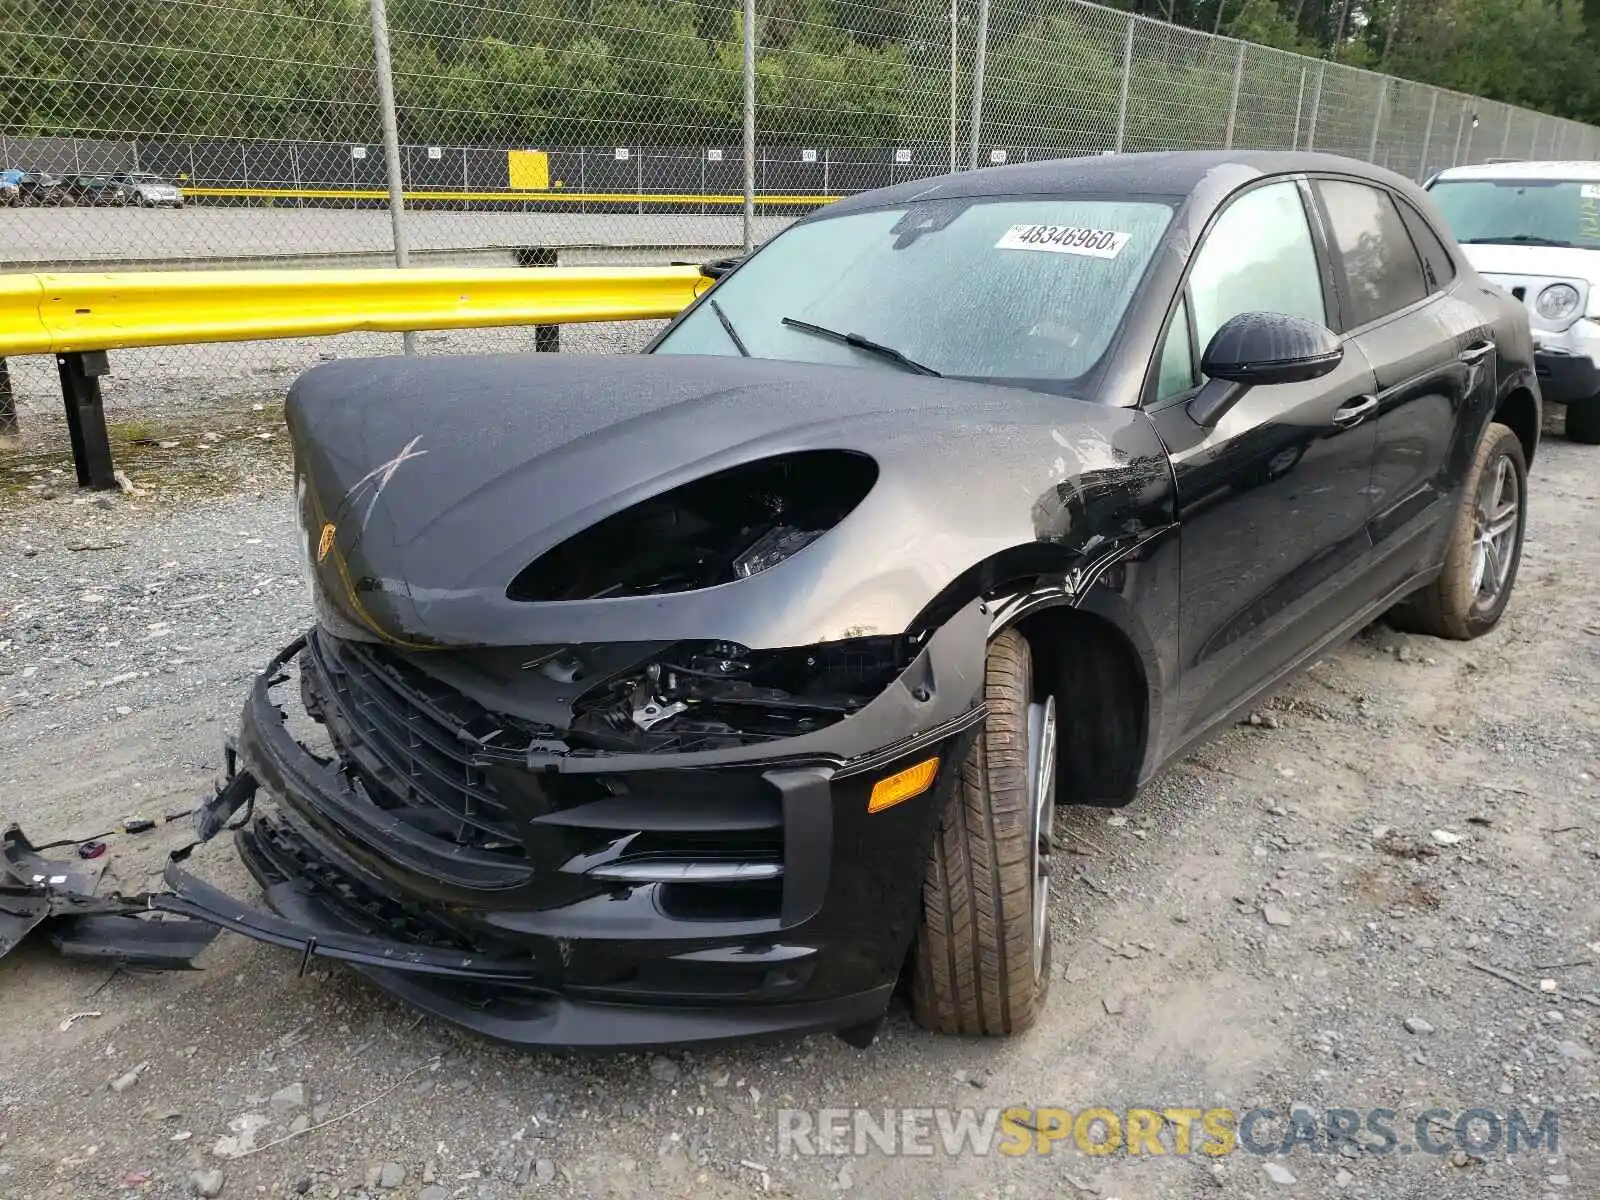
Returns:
(648, 904)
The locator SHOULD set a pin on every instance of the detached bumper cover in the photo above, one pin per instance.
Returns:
(646, 906)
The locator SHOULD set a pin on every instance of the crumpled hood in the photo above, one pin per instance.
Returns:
(441, 478)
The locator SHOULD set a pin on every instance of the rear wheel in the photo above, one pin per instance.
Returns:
(1480, 566)
(983, 950)
(1583, 421)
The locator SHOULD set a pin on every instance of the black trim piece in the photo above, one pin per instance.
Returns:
(807, 842)
(191, 897)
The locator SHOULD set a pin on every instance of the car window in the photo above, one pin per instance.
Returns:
(1437, 266)
(1027, 291)
(1381, 265)
(1258, 257)
(1177, 357)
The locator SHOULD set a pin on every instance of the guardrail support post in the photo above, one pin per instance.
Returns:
(10, 430)
(86, 416)
(546, 338)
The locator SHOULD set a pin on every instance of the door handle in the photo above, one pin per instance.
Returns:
(1356, 411)
(1477, 353)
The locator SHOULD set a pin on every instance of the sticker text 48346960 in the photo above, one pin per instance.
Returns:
(1064, 239)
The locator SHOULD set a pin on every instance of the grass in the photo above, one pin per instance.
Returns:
(188, 467)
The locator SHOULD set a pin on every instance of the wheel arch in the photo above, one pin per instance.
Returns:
(1519, 410)
(1078, 620)
(1106, 703)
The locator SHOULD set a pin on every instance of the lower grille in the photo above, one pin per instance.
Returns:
(274, 851)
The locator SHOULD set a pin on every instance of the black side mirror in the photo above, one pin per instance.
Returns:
(1261, 348)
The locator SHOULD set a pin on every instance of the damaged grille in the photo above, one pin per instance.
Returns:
(711, 839)
(412, 739)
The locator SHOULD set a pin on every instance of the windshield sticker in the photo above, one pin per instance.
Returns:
(1590, 191)
(1064, 239)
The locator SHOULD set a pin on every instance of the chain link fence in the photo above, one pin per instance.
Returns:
(532, 132)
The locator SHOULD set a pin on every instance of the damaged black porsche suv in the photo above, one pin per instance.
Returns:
(715, 690)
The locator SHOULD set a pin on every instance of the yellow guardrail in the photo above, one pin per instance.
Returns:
(68, 313)
(553, 196)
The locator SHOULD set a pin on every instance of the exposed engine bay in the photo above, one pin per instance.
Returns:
(726, 526)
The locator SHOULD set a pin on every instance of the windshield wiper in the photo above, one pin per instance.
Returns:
(1520, 239)
(727, 328)
(862, 343)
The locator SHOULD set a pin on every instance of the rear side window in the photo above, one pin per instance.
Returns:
(1437, 267)
(1381, 267)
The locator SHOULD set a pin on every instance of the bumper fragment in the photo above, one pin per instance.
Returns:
(58, 898)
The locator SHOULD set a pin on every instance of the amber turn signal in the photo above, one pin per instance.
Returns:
(902, 785)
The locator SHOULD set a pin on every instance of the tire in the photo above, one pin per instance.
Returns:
(982, 958)
(1469, 595)
(1583, 422)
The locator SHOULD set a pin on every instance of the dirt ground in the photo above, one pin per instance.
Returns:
(1352, 905)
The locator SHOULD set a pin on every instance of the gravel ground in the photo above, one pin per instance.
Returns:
(1274, 922)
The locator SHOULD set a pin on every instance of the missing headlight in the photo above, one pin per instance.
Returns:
(705, 695)
(726, 526)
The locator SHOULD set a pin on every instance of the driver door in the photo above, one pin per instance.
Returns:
(1272, 500)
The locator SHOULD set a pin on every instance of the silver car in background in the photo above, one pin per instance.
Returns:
(149, 190)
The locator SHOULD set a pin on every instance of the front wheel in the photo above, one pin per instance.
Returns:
(982, 962)
(1583, 421)
(1480, 565)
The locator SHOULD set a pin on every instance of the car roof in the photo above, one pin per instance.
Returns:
(1174, 173)
(1523, 170)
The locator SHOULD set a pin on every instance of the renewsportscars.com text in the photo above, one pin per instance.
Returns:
(1169, 1130)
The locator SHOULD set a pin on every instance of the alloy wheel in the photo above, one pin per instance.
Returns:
(1496, 526)
(1041, 806)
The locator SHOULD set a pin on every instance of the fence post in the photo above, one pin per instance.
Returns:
(749, 125)
(1427, 135)
(955, 17)
(1233, 99)
(1533, 147)
(1461, 128)
(391, 146)
(1127, 72)
(1299, 108)
(1316, 105)
(979, 64)
(1377, 120)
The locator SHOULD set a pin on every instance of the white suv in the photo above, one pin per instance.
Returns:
(1533, 228)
